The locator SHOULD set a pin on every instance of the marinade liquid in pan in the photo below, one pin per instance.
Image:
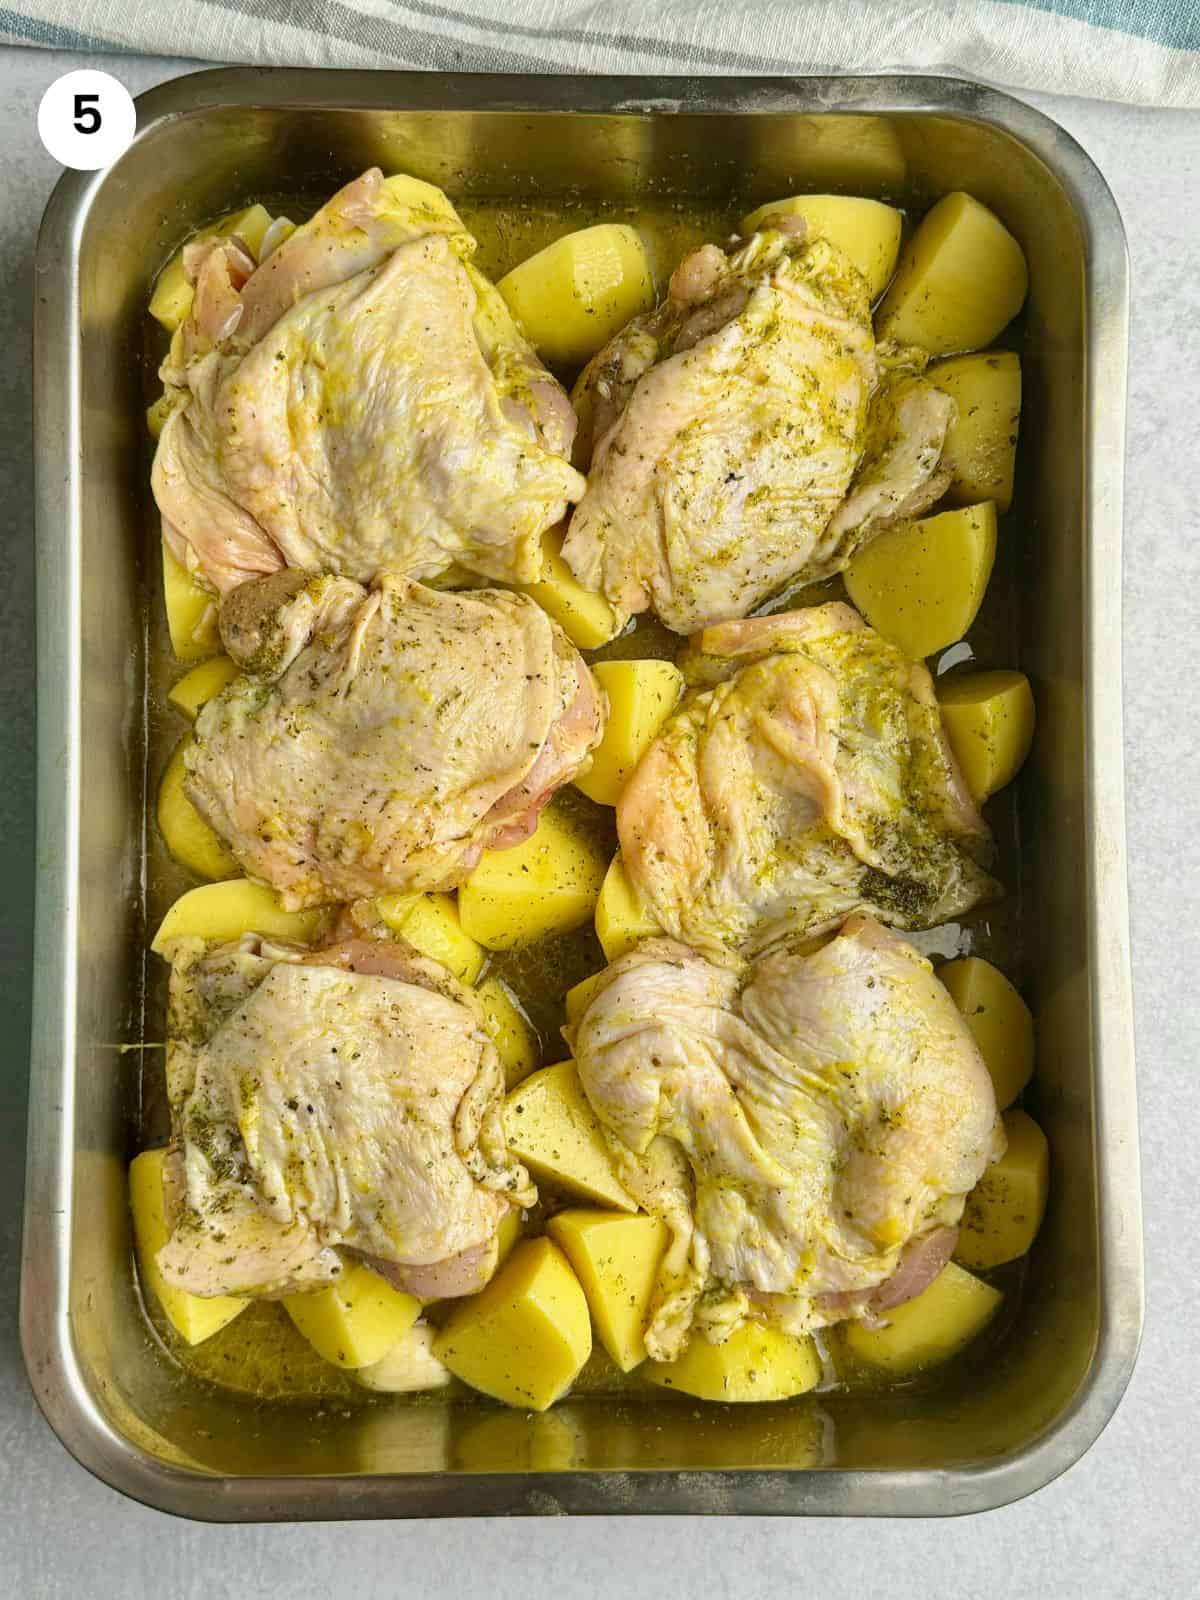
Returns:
(260, 1353)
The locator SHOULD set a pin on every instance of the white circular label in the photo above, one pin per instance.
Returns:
(86, 119)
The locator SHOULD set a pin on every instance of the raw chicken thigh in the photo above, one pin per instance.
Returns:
(811, 780)
(360, 401)
(383, 738)
(809, 1132)
(343, 1099)
(730, 425)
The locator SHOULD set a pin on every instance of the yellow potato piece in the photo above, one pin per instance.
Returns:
(981, 443)
(202, 684)
(866, 231)
(921, 584)
(157, 414)
(641, 696)
(579, 998)
(172, 297)
(191, 613)
(508, 1234)
(409, 1367)
(219, 912)
(525, 1337)
(355, 1321)
(189, 838)
(1005, 1208)
(573, 296)
(431, 924)
(621, 919)
(194, 1318)
(989, 720)
(616, 1259)
(584, 616)
(998, 1020)
(754, 1363)
(926, 1331)
(962, 279)
(551, 1128)
(510, 1031)
(549, 884)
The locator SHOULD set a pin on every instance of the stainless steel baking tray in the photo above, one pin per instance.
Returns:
(1000, 1428)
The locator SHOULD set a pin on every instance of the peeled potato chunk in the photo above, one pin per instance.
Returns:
(573, 296)
(202, 684)
(924, 1332)
(578, 998)
(510, 1031)
(621, 919)
(172, 297)
(921, 584)
(189, 838)
(641, 696)
(962, 279)
(409, 1367)
(551, 1128)
(355, 1321)
(981, 442)
(999, 1021)
(754, 1363)
(989, 720)
(219, 912)
(616, 1259)
(1005, 1208)
(194, 1318)
(584, 616)
(159, 411)
(549, 884)
(866, 231)
(525, 1337)
(191, 613)
(431, 924)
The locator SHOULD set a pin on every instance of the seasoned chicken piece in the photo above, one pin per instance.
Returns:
(361, 401)
(383, 738)
(339, 1100)
(730, 424)
(828, 1116)
(811, 780)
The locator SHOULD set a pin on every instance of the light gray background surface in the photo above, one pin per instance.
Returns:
(1121, 1523)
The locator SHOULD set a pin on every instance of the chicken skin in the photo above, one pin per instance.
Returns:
(340, 1100)
(809, 1132)
(360, 401)
(730, 425)
(811, 780)
(382, 739)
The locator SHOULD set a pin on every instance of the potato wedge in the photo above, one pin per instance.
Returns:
(1005, 1208)
(525, 1337)
(160, 410)
(191, 613)
(962, 278)
(549, 884)
(219, 912)
(409, 1367)
(189, 838)
(584, 616)
(577, 999)
(510, 1031)
(921, 584)
(432, 925)
(172, 297)
(355, 1321)
(621, 919)
(573, 296)
(193, 1318)
(866, 231)
(999, 1021)
(981, 443)
(940, 1322)
(202, 684)
(551, 1128)
(989, 721)
(641, 696)
(616, 1259)
(754, 1363)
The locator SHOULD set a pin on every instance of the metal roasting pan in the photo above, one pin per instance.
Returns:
(1000, 1425)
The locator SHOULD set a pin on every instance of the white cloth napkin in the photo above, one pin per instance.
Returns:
(1146, 51)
